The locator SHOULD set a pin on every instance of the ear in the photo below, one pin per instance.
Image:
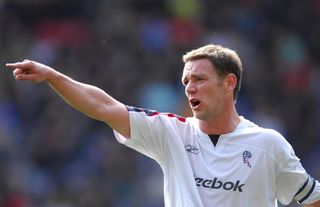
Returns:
(230, 82)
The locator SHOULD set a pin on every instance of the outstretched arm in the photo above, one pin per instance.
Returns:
(88, 99)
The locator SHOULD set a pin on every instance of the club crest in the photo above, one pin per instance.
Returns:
(246, 156)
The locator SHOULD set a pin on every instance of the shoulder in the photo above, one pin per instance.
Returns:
(269, 141)
(266, 138)
(137, 114)
(249, 127)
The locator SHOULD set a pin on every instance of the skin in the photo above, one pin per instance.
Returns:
(216, 112)
(316, 204)
(88, 99)
(215, 93)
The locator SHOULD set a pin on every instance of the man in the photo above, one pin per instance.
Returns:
(215, 158)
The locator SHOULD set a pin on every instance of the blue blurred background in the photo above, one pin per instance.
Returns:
(53, 156)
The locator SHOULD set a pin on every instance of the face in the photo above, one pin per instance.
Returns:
(205, 90)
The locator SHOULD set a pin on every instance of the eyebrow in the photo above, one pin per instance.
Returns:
(184, 78)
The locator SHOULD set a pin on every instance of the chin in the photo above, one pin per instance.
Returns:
(199, 116)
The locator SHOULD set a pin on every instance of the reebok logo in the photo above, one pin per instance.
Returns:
(192, 149)
(217, 184)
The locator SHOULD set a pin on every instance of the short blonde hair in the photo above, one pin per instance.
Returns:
(224, 60)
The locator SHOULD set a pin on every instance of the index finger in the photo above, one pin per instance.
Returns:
(18, 65)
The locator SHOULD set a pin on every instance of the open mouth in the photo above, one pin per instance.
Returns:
(194, 103)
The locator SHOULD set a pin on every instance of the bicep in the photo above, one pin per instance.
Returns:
(116, 116)
(101, 106)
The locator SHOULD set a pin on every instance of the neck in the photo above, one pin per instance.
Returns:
(223, 124)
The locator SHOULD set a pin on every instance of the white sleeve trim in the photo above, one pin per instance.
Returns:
(306, 190)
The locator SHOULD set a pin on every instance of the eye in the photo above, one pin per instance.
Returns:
(198, 78)
(185, 82)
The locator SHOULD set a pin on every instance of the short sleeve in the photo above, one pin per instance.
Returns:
(309, 192)
(292, 181)
(150, 131)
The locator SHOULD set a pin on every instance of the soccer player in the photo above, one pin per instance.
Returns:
(215, 158)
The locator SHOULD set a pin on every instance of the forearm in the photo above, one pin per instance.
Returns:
(87, 99)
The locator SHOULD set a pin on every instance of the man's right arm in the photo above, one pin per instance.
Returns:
(88, 99)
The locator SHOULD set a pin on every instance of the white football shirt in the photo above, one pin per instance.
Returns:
(250, 167)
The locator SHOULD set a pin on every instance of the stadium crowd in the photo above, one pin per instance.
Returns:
(53, 156)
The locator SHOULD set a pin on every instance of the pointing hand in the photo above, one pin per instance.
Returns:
(30, 70)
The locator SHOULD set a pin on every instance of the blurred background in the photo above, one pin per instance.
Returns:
(53, 156)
